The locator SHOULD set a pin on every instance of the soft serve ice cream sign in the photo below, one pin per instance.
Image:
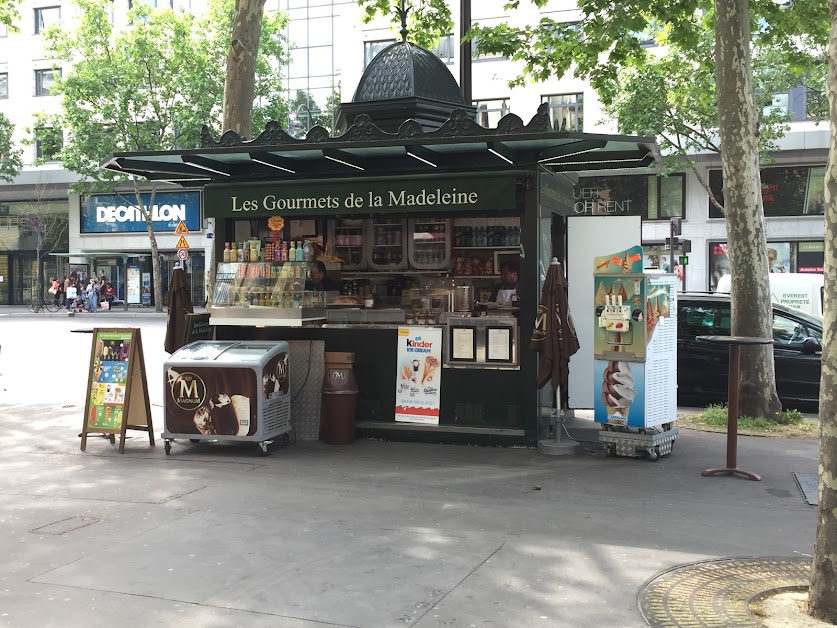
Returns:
(114, 213)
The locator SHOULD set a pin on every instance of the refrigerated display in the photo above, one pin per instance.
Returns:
(387, 244)
(347, 236)
(430, 243)
(228, 391)
(272, 292)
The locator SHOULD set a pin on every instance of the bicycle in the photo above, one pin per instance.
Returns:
(50, 305)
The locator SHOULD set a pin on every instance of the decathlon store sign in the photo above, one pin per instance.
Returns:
(115, 213)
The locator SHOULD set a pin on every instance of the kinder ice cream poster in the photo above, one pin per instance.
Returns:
(419, 376)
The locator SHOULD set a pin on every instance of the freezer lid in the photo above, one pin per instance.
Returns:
(203, 350)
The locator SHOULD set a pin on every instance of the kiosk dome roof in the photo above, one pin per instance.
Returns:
(405, 70)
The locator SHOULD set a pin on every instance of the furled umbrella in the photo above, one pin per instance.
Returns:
(554, 336)
(179, 303)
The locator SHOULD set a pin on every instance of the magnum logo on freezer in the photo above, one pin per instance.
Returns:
(188, 391)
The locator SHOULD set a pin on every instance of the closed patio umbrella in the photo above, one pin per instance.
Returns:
(554, 336)
(179, 302)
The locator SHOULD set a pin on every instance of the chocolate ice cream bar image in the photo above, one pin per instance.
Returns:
(230, 414)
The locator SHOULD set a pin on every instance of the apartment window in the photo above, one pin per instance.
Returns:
(48, 142)
(4, 85)
(791, 191)
(372, 48)
(154, 4)
(46, 17)
(490, 111)
(780, 104)
(44, 80)
(566, 111)
(478, 55)
(666, 197)
(444, 49)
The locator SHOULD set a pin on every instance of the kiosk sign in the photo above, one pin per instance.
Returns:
(418, 381)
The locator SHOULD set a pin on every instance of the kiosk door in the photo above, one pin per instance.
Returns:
(589, 237)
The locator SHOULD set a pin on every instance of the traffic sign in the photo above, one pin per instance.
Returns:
(182, 255)
(181, 229)
(181, 243)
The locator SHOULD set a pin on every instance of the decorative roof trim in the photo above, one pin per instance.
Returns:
(461, 124)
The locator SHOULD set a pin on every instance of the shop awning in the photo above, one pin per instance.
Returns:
(459, 145)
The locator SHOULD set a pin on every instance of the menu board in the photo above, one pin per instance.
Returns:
(106, 404)
(419, 377)
(117, 395)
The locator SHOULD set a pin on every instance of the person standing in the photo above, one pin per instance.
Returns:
(93, 295)
(507, 290)
(69, 282)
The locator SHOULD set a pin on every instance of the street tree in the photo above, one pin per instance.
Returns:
(150, 86)
(11, 157)
(427, 20)
(823, 598)
(9, 13)
(45, 230)
(255, 52)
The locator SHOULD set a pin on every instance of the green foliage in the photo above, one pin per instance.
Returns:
(715, 415)
(150, 86)
(427, 20)
(672, 97)
(11, 158)
(9, 13)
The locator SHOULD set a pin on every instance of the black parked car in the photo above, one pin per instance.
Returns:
(702, 367)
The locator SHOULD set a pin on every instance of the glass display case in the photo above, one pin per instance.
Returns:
(347, 238)
(265, 293)
(387, 243)
(430, 242)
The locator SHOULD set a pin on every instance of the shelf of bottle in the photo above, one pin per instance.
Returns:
(475, 276)
(348, 246)
(273, 262)
(433, 242)
(486, 248)
(387, 246)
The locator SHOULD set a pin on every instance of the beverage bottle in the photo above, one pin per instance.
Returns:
(233, 252)
(292, 252)
(284, 252)
(246, 254)
(226, 251)
(240, 252)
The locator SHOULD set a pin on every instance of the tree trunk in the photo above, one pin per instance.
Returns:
(737, 128)
(823, 599)
(157, 280)
(240, 83)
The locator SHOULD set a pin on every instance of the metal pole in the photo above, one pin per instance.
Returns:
(465, 80)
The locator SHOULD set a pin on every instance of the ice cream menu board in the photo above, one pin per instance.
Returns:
(106, 405)
(419, 376)
(117, 396)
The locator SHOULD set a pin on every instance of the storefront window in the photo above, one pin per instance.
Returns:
(649, 196)
(783, 257)
(784, 191)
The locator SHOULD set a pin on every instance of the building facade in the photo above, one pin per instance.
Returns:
(331, 48)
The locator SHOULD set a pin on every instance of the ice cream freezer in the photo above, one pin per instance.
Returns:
(228, 391)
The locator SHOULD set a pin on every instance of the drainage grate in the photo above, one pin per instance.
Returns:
(810, 487)
(65, 525)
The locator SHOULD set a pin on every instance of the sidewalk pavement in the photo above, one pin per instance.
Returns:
(371, 534)
(21, 311)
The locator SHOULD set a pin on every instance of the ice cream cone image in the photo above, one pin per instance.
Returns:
(626, 263)
(430, 366)
(618, 391)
